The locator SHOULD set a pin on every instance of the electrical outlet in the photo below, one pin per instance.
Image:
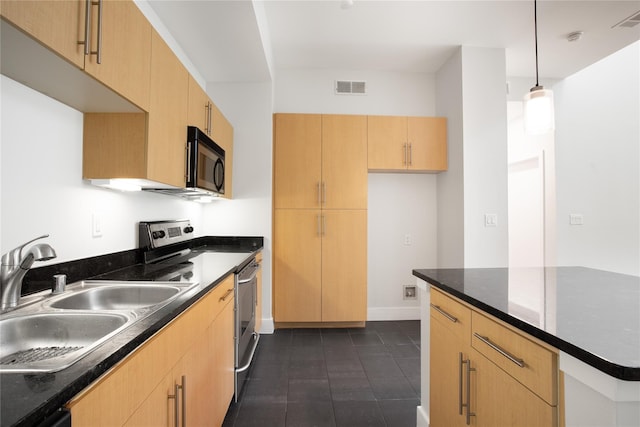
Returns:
(576, 219)
(409, 292)
(490, 220)
(407, 239)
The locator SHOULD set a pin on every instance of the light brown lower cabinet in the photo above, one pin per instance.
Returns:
(182, 374)
(320, 265)
(483, 373)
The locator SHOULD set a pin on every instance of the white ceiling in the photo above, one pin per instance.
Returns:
(223, 39)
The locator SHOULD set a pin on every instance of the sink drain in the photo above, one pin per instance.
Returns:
(36, 355)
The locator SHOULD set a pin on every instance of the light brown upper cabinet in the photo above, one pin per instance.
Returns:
(200, 112)
(167, 139)
(125, 39)
(222, 134)
(407, 143)
(145, 146)
(297, 160)
(320, 161)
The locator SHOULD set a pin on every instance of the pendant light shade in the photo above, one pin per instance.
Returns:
(538, 111)
(538, 103)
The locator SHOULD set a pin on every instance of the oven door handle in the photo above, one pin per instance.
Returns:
(250, 279)
(250, 357)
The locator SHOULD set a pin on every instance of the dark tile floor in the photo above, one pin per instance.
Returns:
(333, 377)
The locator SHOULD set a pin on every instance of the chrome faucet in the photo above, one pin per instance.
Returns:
(15, 266)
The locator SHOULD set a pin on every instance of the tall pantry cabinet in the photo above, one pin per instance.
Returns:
(320, 218)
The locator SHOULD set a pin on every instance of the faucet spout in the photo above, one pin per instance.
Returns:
(15, 266)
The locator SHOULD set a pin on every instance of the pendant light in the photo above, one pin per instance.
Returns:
(538, 103)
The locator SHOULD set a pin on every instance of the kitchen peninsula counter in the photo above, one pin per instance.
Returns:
(26, 399)
(592, 317)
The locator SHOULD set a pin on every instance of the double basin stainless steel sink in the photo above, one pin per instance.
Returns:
(48, 332)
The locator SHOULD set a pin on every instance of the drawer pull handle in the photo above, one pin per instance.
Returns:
(505, 353)
(224, 297)
(444, 313)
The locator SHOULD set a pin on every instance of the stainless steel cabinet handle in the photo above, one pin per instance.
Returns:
(410, 155)
(98, 51)
(404, 148)
(319, 192)
(324, 192)
(462, 404)
(224, 297)
(444, 313)
(207, 115)
(183, 386)
(460, 363)
(487, 341)
(469, 413)
(176, 404)
(324, 225)
(87, 26)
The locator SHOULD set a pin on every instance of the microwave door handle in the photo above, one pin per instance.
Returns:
(188, 174)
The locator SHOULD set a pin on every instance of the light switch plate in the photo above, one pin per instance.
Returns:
(96, 225)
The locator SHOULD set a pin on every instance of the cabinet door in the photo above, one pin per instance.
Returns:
(199, 107)
(427, 137)
(344, 265)
(387, 142)
(222, 350)
(195, 373)
(499, 400)
(125, 50)
(157, 410)
(297, 160)
(59, 25)
(297, 265)
(447, 386)
(222, 134)
(167, 135)
(344, 162)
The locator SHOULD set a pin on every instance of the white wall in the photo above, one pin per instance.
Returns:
(471, 93)
(248, 108)
(42, 188)
(485, 156)
(598, 164)
(450, 184)
(398, 204)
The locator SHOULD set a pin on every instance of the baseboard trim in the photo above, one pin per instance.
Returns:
(393, 313)
(422, 417)
(267, 326)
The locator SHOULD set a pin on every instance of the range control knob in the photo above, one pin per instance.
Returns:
(188, 229)
(158, 234)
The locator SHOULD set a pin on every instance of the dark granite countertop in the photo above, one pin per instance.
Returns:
(593, 315)
(28, 399)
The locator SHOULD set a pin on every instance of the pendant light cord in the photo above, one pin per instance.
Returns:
(535, 26)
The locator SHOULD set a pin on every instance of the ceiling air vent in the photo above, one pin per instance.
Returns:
(344, 87)
(629, 22)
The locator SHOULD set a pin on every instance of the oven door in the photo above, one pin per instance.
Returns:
(246, 337)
